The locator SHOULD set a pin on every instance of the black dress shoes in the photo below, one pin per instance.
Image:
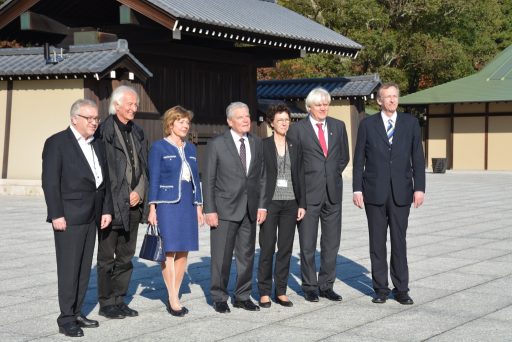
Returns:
(112, 312)
(84, 322)
(287, 303)
(380, 298)
(403, 298)
(125, 310)
(246, 305)
(221, 307)
(71, 329)
(331, 295)
(311, 296)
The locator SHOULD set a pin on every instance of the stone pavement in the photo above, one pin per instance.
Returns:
(460, 259)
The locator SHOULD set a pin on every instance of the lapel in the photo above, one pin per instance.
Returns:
(228, 139)
(252, 146)
(332, 136)
(378, 125)
(78, 151)
(398, 124)
(273, 160)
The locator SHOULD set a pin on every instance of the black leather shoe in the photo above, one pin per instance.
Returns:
(221, 307)
(331, 295)
(311, 296)
(111, 311)
(71, 329)
(84, 322)
(287, 303)
(265, 305)
(403, 298)
(125, 310)
(185, 310)
(246, 305)
(176, 313)
(380, 298)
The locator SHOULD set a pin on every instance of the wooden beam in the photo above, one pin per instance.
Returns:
(127, 16)
(151, 12)
(7, 135)
(13, 10)
(30, 21)
(486, 148)
(93, 37)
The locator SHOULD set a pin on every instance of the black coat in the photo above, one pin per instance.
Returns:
(117, 164)
(297, 171)
(68, 182)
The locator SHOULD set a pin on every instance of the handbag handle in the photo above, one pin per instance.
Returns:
(152, 229)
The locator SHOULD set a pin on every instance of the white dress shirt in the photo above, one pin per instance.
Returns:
(90, 155)
(236, 139)
(386, 118)
(324, 127)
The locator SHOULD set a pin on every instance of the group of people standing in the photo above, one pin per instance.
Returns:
(105, 177)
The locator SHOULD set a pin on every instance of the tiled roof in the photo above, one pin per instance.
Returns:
(295, 111)
(491, 84)
(299, 88)
(264, 19)
(79, 60)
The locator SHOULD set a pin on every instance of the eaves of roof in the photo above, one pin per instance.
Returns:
(95, 59)
(338, 87)
(491, 84)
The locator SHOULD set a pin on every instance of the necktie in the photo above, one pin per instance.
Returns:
(321, 138)
(243, 157)
(390, 130)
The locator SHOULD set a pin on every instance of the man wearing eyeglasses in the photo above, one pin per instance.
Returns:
(77, 192)
(127, 152)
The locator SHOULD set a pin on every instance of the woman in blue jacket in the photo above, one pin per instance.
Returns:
(175, 200)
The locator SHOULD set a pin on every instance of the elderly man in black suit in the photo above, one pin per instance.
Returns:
(389, 175)
(325, 155)
(234, 201)
(77, 192)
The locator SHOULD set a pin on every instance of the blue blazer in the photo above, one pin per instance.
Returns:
(165, 168)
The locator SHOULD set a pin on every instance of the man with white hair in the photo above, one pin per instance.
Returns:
(127, 152)
(325, 155)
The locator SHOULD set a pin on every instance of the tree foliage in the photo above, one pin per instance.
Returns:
(416, 43)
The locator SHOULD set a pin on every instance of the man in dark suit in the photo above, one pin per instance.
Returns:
(234, 201)
(325, 155)
(389, 175)
(76, 188)
(127, 155)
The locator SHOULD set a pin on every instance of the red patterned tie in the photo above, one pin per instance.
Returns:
(321, 138)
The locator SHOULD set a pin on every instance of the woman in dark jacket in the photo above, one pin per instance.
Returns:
(175, 200)
(286, 205)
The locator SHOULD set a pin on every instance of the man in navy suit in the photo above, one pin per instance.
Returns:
(324, 144)
(389, 175)
(77, 192)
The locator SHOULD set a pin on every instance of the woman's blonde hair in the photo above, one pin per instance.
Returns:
(173, 114)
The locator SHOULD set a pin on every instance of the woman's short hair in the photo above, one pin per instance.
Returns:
(173, 114)
(316, 96)
(117, 97)
(274, 109)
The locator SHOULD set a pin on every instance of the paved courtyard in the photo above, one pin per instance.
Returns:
(460, 260)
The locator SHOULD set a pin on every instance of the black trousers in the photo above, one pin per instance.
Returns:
(230, 236)
(74, 249)
(116, 248)
(379, 218)
(279, 226)
(330, 224)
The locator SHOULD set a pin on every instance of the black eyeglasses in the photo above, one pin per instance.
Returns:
(90, 119)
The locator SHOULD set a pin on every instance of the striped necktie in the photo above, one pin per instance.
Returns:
(390, 130)
(243, 155)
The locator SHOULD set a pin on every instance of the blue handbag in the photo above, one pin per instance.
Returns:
(152, 248)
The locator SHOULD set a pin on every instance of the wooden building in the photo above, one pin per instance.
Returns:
(200, 54)
(469, 120)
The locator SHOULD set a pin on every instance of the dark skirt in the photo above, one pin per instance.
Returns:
(178, 222)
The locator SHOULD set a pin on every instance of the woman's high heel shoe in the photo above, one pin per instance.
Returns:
(176, 313)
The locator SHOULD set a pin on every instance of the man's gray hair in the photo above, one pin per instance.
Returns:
(233, 106)
(78, 104)
(117, 97)
(317, 96)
